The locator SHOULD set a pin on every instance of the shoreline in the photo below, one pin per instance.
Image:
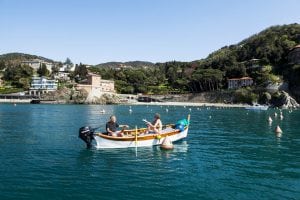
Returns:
(193, 104)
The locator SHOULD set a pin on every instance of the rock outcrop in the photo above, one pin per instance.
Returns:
(67, 95)
(105, 98)
(283, 100)
(78, 97)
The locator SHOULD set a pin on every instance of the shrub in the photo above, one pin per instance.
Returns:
(245, 95)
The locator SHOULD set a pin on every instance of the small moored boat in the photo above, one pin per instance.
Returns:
(135, 137)
(257, 107)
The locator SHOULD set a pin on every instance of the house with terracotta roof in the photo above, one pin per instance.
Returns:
(235, 83)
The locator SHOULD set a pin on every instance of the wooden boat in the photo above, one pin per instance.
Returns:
(138, 137)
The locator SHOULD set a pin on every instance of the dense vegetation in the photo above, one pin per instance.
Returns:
(18, 76)
(131, 64)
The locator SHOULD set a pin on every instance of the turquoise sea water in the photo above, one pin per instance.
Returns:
(232, 155)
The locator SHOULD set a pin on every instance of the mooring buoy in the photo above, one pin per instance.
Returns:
(167, 144)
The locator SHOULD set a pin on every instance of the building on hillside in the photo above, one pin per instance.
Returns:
(67, 68)
(42, 85)
(294, 55)
(254, 63)
(235, 83)
(62, 75)
(96, 85)
(64, 72)
(36, 63)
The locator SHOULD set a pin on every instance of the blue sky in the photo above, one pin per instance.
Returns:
(96, 31)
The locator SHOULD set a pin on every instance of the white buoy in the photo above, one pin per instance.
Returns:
(102, 111)
(167, 144)
(209, 116)
(167, 110)
(281, 116)
(275, 114)
(130, 110)
(270, 120)
(190, 109)
(278, 130)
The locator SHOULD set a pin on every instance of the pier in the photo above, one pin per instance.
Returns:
(16, 98)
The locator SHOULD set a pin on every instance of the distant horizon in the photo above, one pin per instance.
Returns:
(94, 32)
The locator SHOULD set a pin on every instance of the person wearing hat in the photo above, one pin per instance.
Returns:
(156, 125)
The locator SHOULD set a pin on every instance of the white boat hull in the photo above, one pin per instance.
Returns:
(104, 142)
(257, 108)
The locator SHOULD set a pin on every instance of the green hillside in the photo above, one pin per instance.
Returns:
(130, 64)
(16, 58)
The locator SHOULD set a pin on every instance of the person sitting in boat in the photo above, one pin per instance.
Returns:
(156, 125)
(112, 125)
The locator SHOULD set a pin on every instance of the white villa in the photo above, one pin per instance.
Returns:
(64, 72)
(41, 85)
(235, 83)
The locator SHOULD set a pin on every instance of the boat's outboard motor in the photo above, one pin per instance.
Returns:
(86, 133)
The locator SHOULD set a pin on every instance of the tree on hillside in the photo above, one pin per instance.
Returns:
(55, 68)
(19, 76)
(2, 65)
(14, 73)
(42, 70)
(68, 62)
(235, 71)
(24, 83)
(207, 80)
(80, 72)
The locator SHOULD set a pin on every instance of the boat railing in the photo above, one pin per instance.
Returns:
(140, 131)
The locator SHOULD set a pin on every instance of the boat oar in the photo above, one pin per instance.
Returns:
(93, 130)
(136, 133)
